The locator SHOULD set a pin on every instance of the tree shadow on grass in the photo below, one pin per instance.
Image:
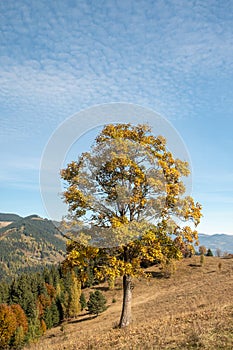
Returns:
(101, 288)
(194, 265)
(155, 274)
(83, 319)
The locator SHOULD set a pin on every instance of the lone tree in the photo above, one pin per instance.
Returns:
(127, 207)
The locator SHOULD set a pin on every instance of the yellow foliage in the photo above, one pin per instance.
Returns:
(128, 181)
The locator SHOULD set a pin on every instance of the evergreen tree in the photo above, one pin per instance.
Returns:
(51, 315)
(209, 252)
(83, 301)
(4, 293)
(21, 293)
(96, 303)
(48, 317)
(35, 330)
(18, 338)
(55, 313)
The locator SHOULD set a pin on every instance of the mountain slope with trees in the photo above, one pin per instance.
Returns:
(27, 244)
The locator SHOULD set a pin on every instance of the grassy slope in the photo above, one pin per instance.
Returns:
(191, 310)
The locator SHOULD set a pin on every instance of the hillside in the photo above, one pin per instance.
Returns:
(193, 309)
(27, 244)
(8, 217)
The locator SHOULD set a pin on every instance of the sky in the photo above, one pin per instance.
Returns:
(174, 57)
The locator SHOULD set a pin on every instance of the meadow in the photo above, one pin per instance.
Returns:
(191, 309)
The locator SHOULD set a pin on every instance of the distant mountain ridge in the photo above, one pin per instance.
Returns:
(28, 243)
(9, 217)
(217, 241)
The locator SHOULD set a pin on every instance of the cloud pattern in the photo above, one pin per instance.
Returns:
(60, 57)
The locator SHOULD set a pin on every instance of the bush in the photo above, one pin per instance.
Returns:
(96, 303)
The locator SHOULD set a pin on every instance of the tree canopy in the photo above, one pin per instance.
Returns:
(127, 205)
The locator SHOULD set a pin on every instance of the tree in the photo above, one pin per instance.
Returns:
(96, 303)
(74, 306)
(202, 250)
(83, 301)
(51, 316)
(124, 199)
(209, 252)
(4, 292)
(21, 292)
(20, 317)
(8, 325)
(18, 337)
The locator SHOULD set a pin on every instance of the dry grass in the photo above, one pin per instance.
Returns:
(5, 223)
(193, 309)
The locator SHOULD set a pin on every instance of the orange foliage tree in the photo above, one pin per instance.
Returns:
(8, 324)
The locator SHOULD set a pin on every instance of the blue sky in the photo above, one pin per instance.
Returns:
(174, 57)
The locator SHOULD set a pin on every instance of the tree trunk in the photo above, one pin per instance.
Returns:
(127, 298)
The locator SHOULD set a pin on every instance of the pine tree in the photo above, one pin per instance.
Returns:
(18, 338)
(4, 293)
(55, 313)
(24, 292)
(35, 330)
(209, 252)
(83, 301)
(48, 317)
(96, 303)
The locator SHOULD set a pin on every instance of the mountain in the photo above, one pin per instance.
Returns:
(217, 241)
(28, 244)
(32, 242)
(9, 217)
